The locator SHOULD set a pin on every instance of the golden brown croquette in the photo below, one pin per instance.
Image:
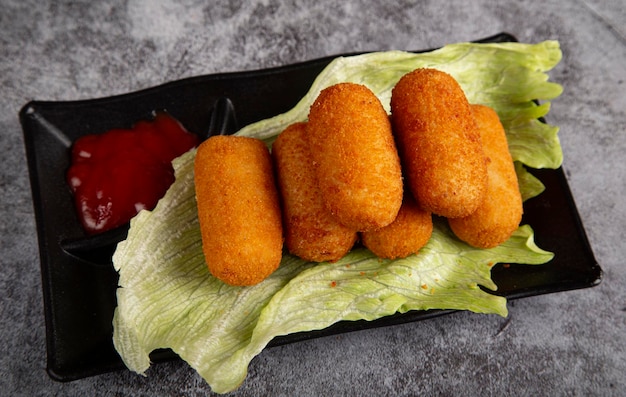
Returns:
(500, 214)
(355, 157)
(439, 143)
(238, 209)
(406, 235)
(311, 232)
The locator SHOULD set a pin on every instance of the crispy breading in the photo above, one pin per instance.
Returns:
(406, 235)
(356, 161)
(238, 209)
(439, 143)
(311, 232)
(500, 214)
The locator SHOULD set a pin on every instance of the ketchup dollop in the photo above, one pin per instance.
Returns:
(116, 174)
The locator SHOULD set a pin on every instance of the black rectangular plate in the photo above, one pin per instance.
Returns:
(79, 290)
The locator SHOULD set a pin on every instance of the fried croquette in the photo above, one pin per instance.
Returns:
(406, 235)
(238, 209)
(356, 162)
(500, 214)
(311, 232)
(438, 143)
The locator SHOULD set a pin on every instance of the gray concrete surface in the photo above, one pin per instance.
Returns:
(569, 343)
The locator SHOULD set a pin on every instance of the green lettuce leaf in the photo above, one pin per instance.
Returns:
(529, 185)
(168, 299)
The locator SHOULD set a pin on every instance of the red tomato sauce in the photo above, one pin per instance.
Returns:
(116, 174)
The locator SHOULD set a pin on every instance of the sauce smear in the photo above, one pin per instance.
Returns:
(116, 174)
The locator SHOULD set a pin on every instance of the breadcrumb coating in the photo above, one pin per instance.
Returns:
(500, 214)
(439, 143)
(311, 232)
(238, 209)
(406, 235)
(355, 157)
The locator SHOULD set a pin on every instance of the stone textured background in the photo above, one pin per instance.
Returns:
(570, 343)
